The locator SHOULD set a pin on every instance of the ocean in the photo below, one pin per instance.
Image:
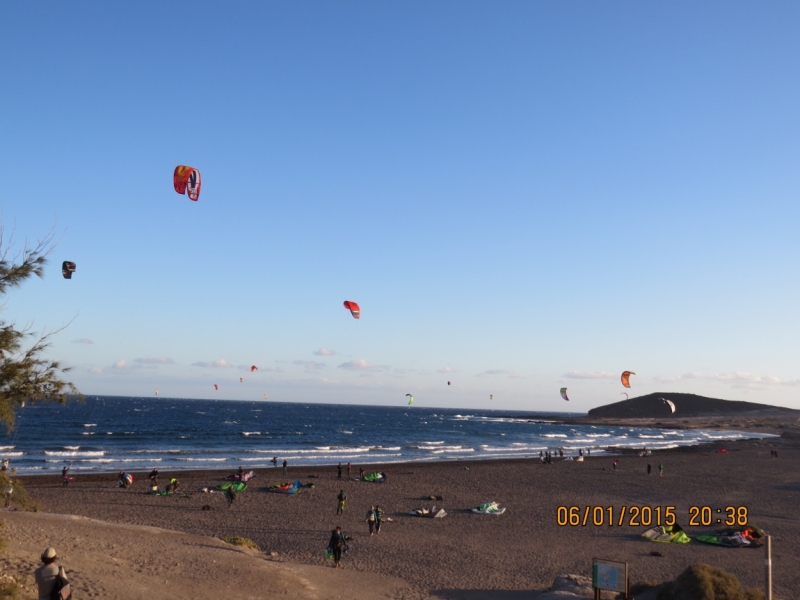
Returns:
(108, 434)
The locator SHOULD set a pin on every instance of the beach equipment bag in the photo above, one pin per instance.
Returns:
(328, 553)
(61, 587)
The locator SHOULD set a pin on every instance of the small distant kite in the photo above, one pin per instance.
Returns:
(624, 394)
(156, 391)
(625, 378)
(253, 368)
(187, 181)
(410, 398)
(216, 387)
(241, 379)
(354, 309)
(491, 397)
(448, 383)
(265, 396)
(669, 403)
(68, 268)
(564, 394)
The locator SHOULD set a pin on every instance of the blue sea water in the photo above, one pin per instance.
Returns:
(107, 434)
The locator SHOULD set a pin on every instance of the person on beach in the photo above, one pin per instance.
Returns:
(349, 471)
(5, 465)
(378, 519)
(154, 476)
(361, 472)
(660, 469)
(649, 468)
(588, 452)
(275, 461)
(173, 486)
(337, 545)
(64, 476)
(285, 464)
(615, 464)
(230, 495)
(340, 506)
(339, 471)
(123, 480)
(371, 520)
(47, 574)
(240, 472)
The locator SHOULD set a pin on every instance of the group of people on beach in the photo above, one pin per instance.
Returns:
(349, 471)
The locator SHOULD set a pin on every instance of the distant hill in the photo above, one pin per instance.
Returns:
(686, 405)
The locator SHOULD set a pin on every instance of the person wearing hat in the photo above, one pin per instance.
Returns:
(47, 574)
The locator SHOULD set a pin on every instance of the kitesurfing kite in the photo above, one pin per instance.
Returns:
(670, 404)
(68, 268)
(624, 394)
(490, 397)
(241, 379)
(410, 398)
(156, 391)
(253, 368)
(353, 308)
(187, 181)
(216, 387)
(626, 375)
(265, 396)
(564, 394)
(448, 383)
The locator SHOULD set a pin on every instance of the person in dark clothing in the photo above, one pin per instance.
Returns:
(378, 519)
(371, 520)
(615, 464)
(361, 472)
(230, 495)
(649, 468)
(240, 472)
(274, 460)
(339, 471)
(341, 498)
(65, 476)
(285, 464)
(154, 476)
(337, 545)
(349, 471)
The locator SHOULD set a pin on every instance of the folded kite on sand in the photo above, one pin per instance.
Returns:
(238, 486)
(286, 488)
(243, 477)
(374, 478)
(749, 537)
(434, 513)
(489, 508)
(668, 534)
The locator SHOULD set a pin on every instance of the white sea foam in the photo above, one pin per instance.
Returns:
(72, 447)
(90, 424)
(251, 433)
(5, 454)
(7, 447)
(75, 453)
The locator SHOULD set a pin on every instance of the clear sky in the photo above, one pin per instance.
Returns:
(521, 196)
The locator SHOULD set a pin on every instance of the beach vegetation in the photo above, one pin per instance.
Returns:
(25, 374)
(241, 541)
(703, 582)
(9, 589)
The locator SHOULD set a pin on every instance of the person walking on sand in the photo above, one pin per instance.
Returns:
(154, 476)
(371, 520)
(615, 464)
(339, 471)
(349, 471)
(337, 545)
(340, 506)
(49, 574)
(378, 519)
(230, 494)
(285, 464)
(660, 469)
(361, 472)
(649, 468)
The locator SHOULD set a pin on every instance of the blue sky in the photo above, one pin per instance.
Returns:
(521, 196)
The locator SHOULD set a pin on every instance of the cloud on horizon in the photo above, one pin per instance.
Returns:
(737, 379)
(154, 362)
(309, 365)
(509, 374)
(360, 365)
(589, 375)
(446, 369)
(213, 364)
(324, 352)
(82, 341)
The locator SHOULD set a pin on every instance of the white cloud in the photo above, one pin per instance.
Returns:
(161, 360)
(358, 365)
(82, 341)
(447, 369)
(737, 379)
(309, 365)
(213, 364)
(121, 364)
(324, 352)
(589, 375)
(510, 374)
(95, 370)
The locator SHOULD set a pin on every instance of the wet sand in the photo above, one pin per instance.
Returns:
(473, 556)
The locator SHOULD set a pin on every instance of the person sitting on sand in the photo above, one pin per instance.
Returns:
(337, 545)
(340, 506)
(46, 574)
(371, 520)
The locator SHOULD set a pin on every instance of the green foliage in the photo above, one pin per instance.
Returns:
(702, 582)
(25, 375)
(9, 590)
(19, 497)
(241, 541)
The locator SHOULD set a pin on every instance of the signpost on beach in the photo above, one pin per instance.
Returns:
(609, 575)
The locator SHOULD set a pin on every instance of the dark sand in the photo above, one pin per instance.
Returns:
(465, 554)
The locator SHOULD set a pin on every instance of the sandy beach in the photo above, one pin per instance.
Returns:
(463, 555)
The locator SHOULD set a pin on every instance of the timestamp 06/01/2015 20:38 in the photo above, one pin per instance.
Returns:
(648, 516)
